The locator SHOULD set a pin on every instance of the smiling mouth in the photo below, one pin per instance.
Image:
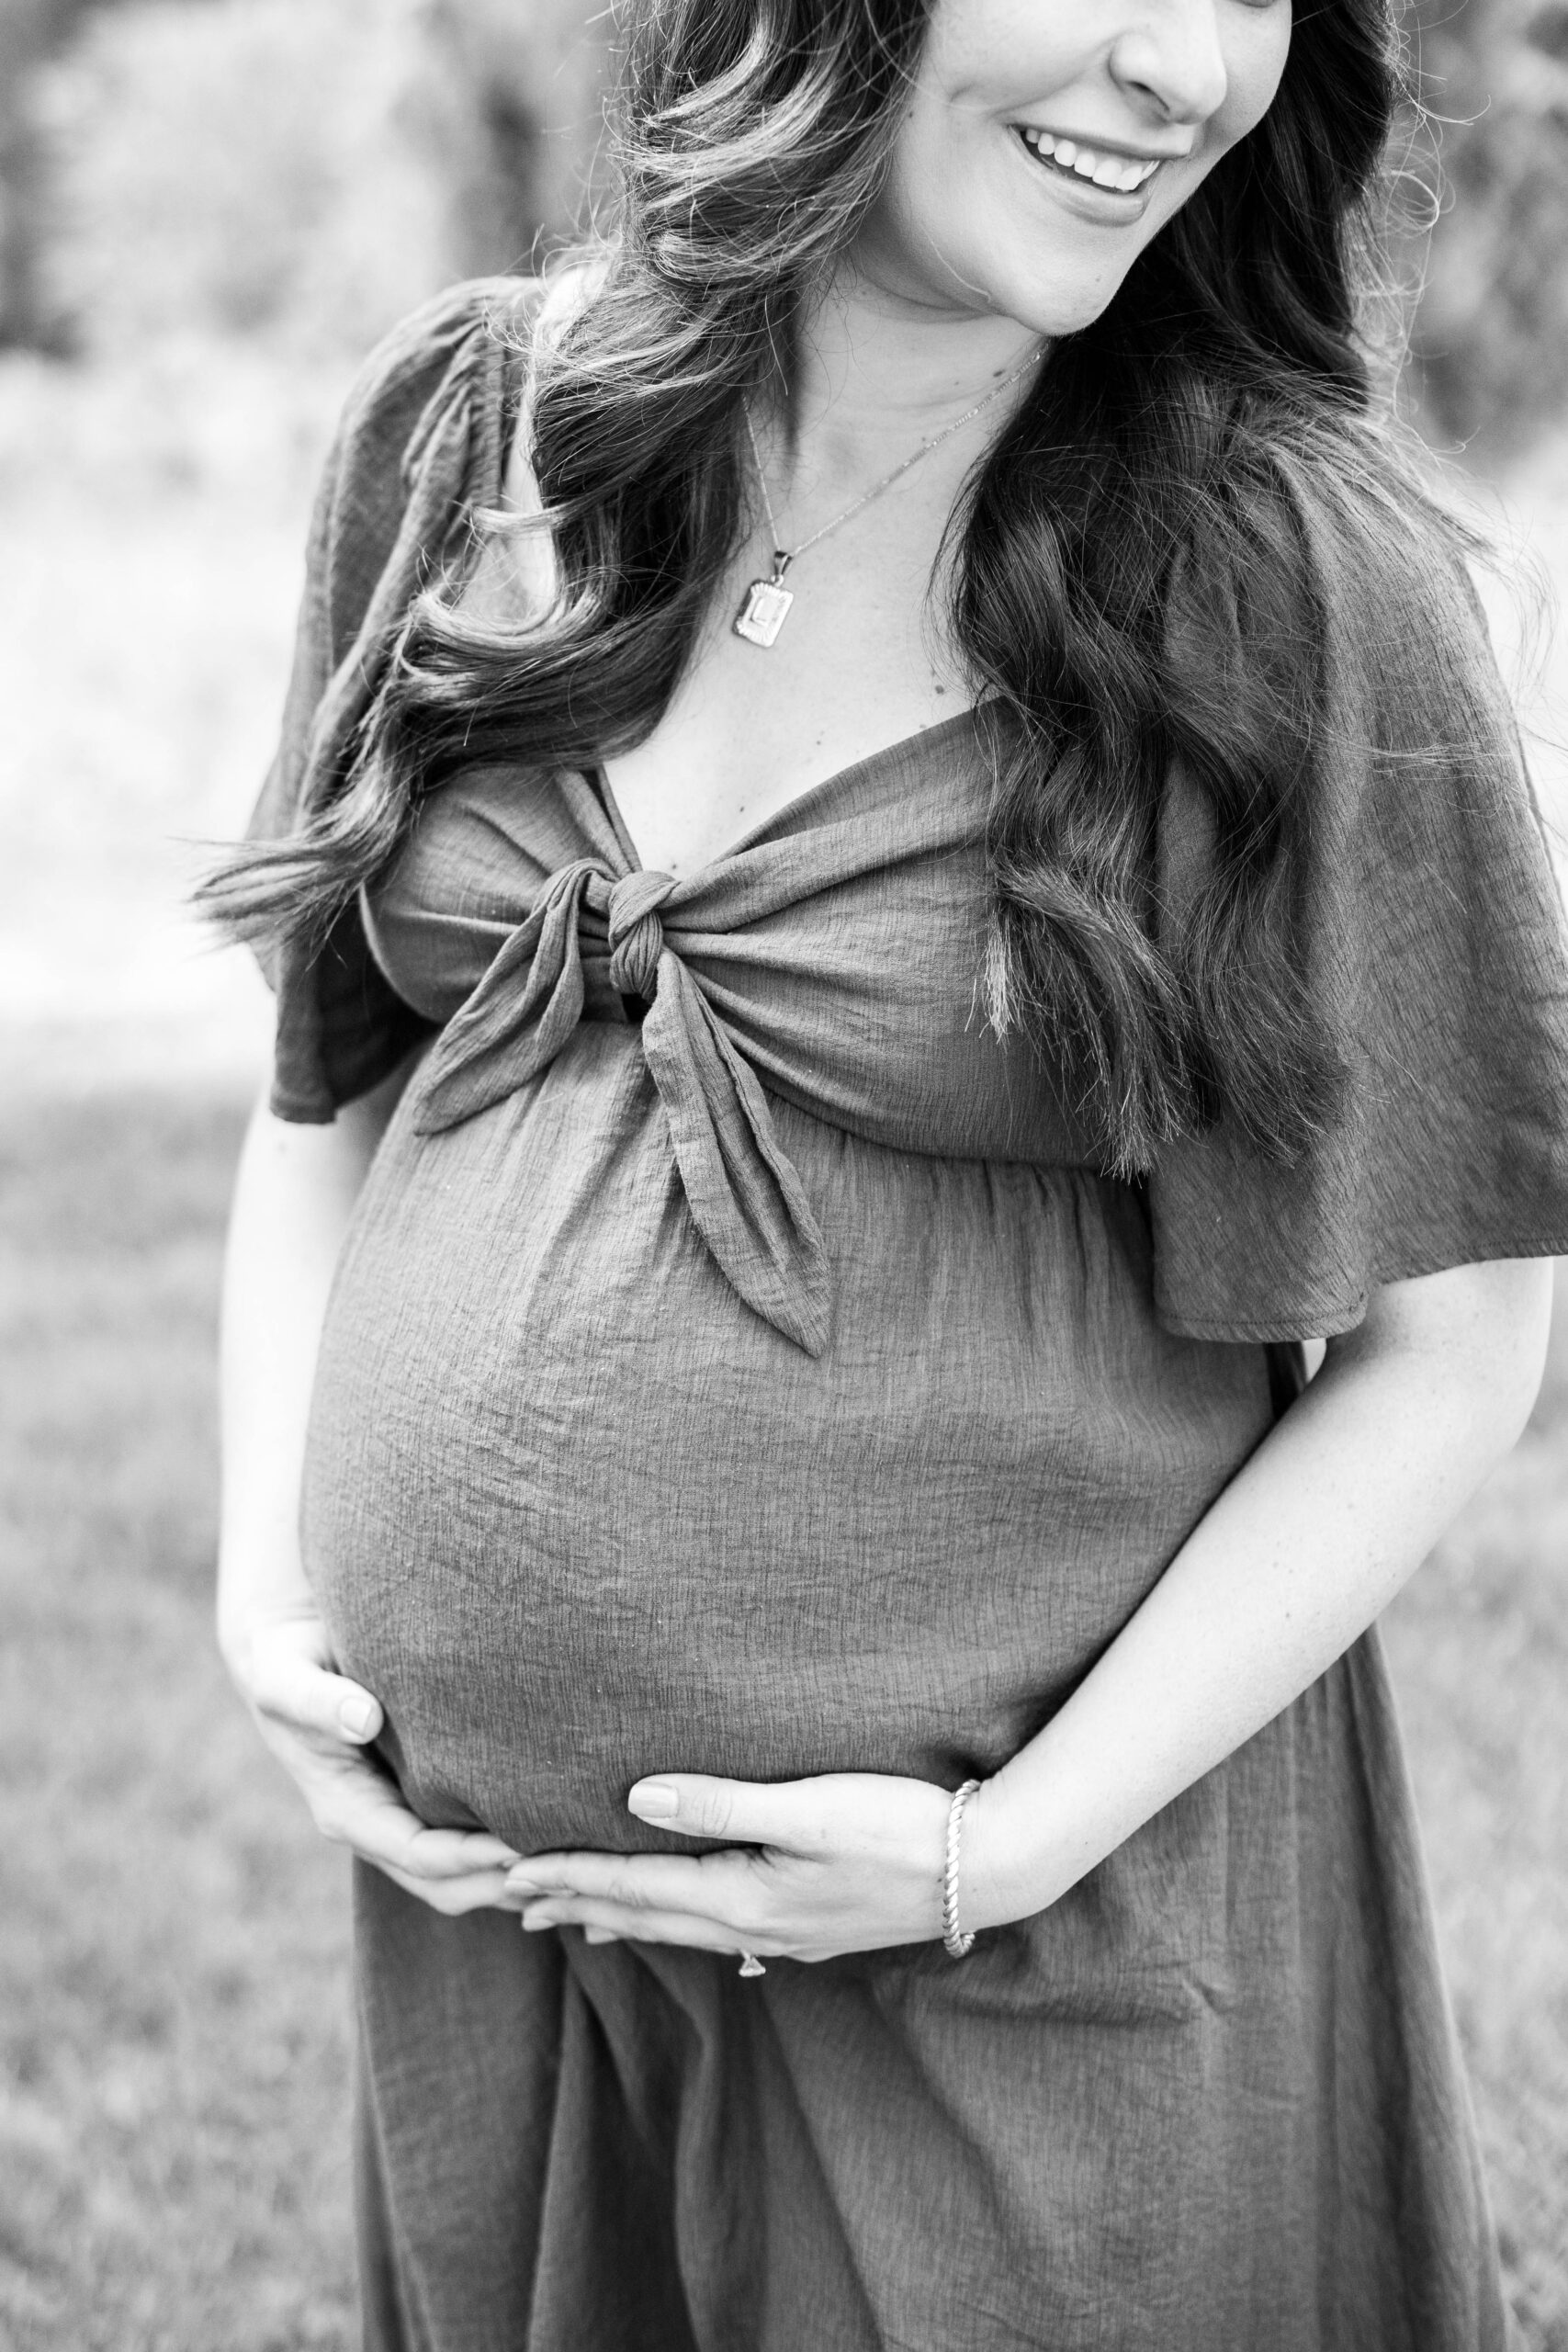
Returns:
(1069, 158)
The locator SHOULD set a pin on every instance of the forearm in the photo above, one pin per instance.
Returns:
(1304, 1548)
(293, 1197)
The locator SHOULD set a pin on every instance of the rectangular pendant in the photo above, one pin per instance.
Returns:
(764, 613)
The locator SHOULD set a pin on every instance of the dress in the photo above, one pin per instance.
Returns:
(737, 1364)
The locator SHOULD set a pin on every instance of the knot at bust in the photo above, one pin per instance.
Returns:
(637, 936)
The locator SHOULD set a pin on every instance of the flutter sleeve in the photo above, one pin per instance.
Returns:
(1431, 945)
(423, 443)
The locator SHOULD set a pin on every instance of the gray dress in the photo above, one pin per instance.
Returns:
(738, 1364)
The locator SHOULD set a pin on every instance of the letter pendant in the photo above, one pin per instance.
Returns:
(767, 604)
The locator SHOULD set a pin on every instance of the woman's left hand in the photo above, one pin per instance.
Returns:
(850, 1862)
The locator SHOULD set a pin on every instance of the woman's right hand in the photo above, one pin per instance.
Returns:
(318, 1724)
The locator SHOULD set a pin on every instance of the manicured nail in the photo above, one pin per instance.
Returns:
(654, 1800)
(356, 1715)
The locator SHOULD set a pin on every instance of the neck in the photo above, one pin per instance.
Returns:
(877, 372)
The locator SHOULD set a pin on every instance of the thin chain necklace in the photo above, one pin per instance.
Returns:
(767, 604)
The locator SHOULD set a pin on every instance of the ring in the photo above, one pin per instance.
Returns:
(751, 1965)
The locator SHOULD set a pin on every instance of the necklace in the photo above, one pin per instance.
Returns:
(767, 603)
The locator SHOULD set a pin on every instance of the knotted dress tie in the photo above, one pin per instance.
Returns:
(746, 1199)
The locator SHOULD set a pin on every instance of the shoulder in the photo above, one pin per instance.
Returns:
(420, 439)
(474, 344)
(1390, 558)
(1419, 782)
(1329, 634)
(469, 330)
(1322, 609)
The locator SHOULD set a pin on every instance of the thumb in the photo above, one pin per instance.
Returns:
(294, 1690)
(749, 1813)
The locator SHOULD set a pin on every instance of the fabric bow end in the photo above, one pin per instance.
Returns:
(745, 1195)
(518, 1018)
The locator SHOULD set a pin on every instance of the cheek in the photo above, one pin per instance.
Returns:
(1255, 66)
(1255, 54)
(940, 212)
(939, 164)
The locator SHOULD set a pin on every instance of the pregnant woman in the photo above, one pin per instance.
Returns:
(896, 868)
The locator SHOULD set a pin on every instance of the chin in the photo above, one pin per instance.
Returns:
(1053, 289)
(1053, 307)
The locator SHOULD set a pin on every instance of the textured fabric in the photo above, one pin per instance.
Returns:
(422, 444)
(795, 956)
(745, 1198)
(538, 1366)
(1430, 927)
(1210, 2103)
(1431, 935)
(737, 1364)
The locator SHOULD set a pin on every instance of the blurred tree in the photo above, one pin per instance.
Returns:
(252, 167)
(303, 168)
(537, 73)
(29, 30)
(1491, 332)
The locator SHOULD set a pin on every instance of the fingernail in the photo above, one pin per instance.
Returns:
(654, 1800)
(519, 1883)
(356, 1715)
(534, 1921)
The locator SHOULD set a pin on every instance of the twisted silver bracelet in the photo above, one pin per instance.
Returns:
(957, 1944)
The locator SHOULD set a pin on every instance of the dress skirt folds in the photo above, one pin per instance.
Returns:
(738, 1364)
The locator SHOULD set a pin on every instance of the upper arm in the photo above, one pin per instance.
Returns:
(362, 1122)
(319, 1166)
(365, 1119)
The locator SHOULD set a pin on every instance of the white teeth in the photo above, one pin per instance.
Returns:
(1126, 173)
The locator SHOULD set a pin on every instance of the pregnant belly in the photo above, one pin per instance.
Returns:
(576, 1515)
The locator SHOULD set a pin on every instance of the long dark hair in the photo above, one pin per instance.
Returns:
(1131, 568)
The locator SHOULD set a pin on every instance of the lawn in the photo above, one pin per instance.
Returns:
(173, 1996)
(172, 2048)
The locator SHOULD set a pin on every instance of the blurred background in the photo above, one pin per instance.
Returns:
(209, 209)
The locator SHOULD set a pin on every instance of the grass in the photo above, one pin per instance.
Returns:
(172, 2044)
(173, 1992)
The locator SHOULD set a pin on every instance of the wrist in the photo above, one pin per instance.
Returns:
(260, 1573)
(1008, 1865)
(245, 1618)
